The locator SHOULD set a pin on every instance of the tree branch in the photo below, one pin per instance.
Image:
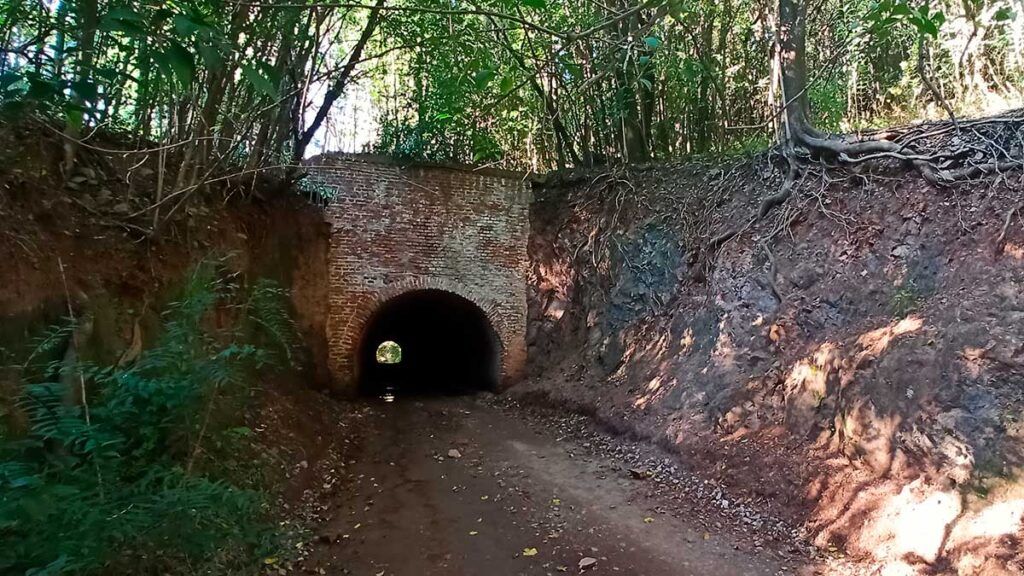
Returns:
(340, 83)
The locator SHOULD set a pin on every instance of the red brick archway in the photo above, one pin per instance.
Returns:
(344, 353)
(396, 229)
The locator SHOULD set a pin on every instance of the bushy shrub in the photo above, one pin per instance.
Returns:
(117, 484)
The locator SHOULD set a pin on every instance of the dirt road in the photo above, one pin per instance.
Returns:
(454, 486)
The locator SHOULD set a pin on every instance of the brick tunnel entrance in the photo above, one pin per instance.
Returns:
(428, 342)
(401, 228)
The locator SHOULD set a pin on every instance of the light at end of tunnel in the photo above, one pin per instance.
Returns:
(389, 352)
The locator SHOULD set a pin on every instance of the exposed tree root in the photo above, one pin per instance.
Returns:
(773, 271)
(848, 148)
(1006, 226)
(785, 191)
(766, 206)
(944, 153)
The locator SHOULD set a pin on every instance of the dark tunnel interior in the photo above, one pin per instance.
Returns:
(447, 343)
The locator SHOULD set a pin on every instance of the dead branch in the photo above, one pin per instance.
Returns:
(1006, 226)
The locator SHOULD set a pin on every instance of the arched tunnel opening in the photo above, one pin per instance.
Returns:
(428, 342)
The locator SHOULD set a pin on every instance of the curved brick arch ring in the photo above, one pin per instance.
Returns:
(347, 364)
(397, 228)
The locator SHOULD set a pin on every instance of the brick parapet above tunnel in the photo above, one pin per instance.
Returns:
(398, 228)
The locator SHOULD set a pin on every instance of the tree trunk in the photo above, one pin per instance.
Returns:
(88, 20)
(797, 128)
(634, 141)
(792, 50)
(340, 83)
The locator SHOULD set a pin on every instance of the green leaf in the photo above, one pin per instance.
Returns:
(538, 4)
(929, 27)
(7, 79)
(211, 56)
(508, 83)
(183, 64)
(52, 569)
(901, 9)
(162, 14)
(74, 115)
(574, 69)
(259, 81)
(270, 73)
(42, 88)
(184, 25)
(124, 13)
(126, 27)
(124, 20)
(483, 78)
(1004, 14)
(85, 89)
(107, 73)
(25, 481)
(162, 62)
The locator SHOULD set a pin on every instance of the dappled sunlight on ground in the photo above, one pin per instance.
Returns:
(972, 360)
(724, 354)
(806, 384)
(876, 341)
(994, 521)
(886, 521)
(1015, 251)
(655, 389)
(918, 527)
(911, 524)
(686, 342)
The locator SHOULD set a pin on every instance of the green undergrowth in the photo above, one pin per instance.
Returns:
(154, 472)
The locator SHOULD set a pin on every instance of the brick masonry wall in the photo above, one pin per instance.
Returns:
(395, 229)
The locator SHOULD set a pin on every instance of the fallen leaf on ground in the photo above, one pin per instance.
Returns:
(473, 533)
(453, 453)
(587, 563)
(648, 520)
(529, 551)
(639, 473)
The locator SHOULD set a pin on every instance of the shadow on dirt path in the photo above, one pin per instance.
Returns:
(452, 486)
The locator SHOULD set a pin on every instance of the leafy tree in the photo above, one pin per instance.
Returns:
(226, 88)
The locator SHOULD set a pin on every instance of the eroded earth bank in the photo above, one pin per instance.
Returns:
(834, 389)
(851, 362)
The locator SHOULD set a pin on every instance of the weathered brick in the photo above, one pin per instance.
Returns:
(398, 228)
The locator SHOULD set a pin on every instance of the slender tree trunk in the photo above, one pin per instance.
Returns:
(60, 42)
(340, 83)
(792, 49)
(634, 143)
(88, 19)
